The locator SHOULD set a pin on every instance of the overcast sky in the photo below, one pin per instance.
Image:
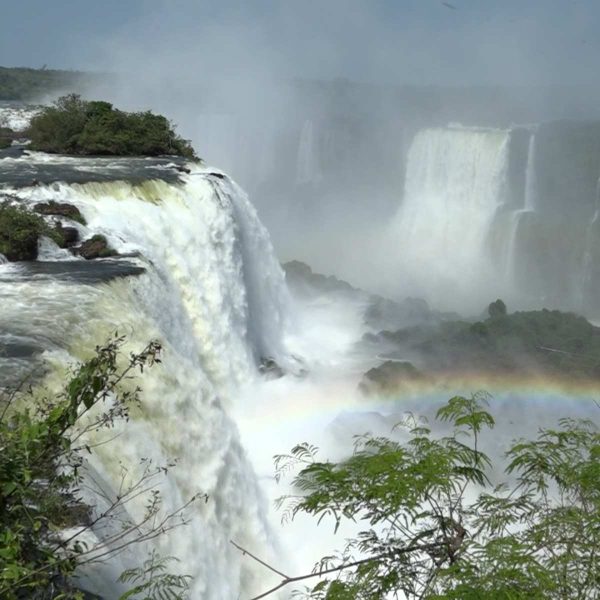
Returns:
(395, 41)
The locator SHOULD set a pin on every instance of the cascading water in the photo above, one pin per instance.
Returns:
(531, 176)
(214, 294)
(16, 116)
(454, 185)
(307, 170)
(528, 208)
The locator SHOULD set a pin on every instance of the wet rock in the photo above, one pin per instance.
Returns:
(391, 377)
(217, 175)
(95, 247)
(66, 236)
(62, 209)
(270, 369)
(183, 169)
(299, 275)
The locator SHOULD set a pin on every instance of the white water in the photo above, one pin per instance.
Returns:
(531, 176)
(214, 295)
(454, 185)
(17, 118)
(50, 251)
(307, 169)
(529, 206)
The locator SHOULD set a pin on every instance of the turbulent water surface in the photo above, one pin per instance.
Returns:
(208, 286)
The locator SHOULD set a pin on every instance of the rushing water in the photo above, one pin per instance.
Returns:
(213, 293)
(454, 186)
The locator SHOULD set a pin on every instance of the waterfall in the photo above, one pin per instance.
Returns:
(17, 116)
(307, 169)
(519, 216)
(454, 185)
(213, 293)
(531, 176)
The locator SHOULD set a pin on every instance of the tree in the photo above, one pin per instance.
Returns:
(436, 528)
(76, 126)
(43, 451)
(497, 309)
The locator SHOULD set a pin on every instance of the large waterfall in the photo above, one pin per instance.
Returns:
(213, 293)
(455, 181)
(494, 212)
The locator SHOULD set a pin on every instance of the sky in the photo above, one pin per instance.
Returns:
(387, 41)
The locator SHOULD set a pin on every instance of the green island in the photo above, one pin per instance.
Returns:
(547, 343)
(95, 128)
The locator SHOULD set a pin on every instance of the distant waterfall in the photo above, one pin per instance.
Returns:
(214, 295)
(454, 185)
(308, 169)
(531, 176)
(522, 215)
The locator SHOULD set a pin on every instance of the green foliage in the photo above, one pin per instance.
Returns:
(42, 461)
(6, 136)
(533, 342)
(64, 209)
(20, 231)
(436, 527)
(497, 309)
(153, 581)
(76, 126)
(28, 84)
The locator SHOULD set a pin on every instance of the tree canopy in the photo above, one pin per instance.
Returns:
(81, 127)
(435, 524)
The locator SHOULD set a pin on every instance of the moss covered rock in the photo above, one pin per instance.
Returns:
(96, 247)
(20, 231)
(390, 377)
(62, 209)
(5, 137)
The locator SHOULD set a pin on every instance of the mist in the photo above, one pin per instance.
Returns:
(313, 108)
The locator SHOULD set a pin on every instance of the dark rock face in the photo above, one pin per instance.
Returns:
(270, 368)
(70, 235)
(299, 274)
(391, 377)
(62, 209)
(95, 247)
(383, 313)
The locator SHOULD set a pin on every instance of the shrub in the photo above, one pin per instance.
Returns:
(5, 137)
(20, 231)
(76, 126)
(42, 463)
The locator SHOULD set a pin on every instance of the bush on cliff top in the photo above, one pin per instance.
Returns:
(75, 126)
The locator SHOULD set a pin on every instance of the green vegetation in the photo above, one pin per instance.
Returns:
(42, 465)
(6, 137)
(96, 247)
(435, 526)
(62, 209)
(32, 84)
(20, 231)
(80, 127)
(546, 342)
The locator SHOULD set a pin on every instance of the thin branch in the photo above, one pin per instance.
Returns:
(321, 572)
(258, 560)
